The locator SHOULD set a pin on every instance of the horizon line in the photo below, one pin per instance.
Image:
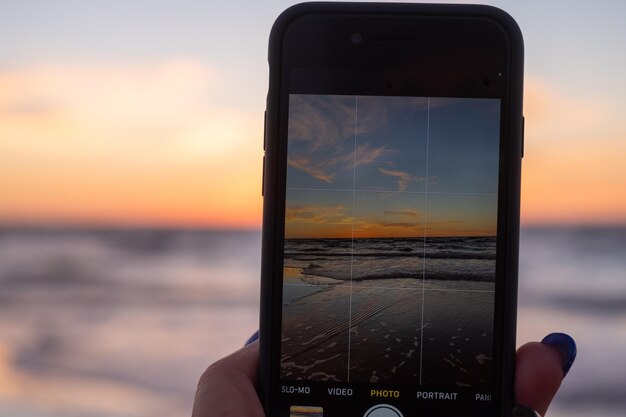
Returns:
(231, 227)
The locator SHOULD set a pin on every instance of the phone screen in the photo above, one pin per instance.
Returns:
(389, 261)
(391, 212)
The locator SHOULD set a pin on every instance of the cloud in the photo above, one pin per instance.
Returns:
(316, 172)
(405, 225)
(374, 111)
(321, 135)
(405, 212)
(404, 178)
(365, 155)
(368, 227)
(461, 228)
(319, 169)
(337, 214)
(322, 122)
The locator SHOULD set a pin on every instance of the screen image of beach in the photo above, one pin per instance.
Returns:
(390, 240)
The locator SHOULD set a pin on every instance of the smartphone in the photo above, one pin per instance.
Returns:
(393, 149)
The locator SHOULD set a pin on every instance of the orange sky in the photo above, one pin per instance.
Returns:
(573, 171)
(376, 230)
(126, 144)
(451, 215)
(148, 144)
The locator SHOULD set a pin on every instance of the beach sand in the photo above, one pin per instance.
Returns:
(315, 332)
(371, 330)
(458, 331)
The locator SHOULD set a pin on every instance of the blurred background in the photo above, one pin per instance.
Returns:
(130, 198)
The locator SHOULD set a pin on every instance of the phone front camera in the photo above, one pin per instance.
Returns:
(356, 38)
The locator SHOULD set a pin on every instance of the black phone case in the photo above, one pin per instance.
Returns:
(508, 226)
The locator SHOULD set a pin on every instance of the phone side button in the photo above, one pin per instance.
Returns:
(264, 128)
(263, 178)
(523, 131)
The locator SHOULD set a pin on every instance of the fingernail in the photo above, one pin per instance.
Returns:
(565, 346)
(252, 338)
(523, 411)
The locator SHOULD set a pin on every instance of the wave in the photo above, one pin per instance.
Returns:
(440, 255)
(448, 270)
(461, 248)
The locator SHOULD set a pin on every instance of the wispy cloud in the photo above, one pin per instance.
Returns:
(469, 227)
(322, 122)
(412, 213)
(366, 155)
(375, 112)
(404, 225)
(321, 135)
(316, 172)
(336, 214)
(369, 227)
(404, 178)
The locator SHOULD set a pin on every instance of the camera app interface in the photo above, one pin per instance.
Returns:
(390, 248)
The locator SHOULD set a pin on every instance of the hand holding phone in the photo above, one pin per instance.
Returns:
(391, 211)
(228, 387)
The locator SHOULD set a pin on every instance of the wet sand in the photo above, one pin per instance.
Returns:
(458, 331)
(373, 331)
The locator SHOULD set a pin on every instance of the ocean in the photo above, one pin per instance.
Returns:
(122, 322)
(459, 258)
(361, 311)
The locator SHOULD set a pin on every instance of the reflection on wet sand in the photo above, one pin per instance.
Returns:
(373, 331)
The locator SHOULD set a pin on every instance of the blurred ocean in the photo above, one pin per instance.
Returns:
(113, 323)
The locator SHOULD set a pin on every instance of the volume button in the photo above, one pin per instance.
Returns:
(263, 178)
(264, 128)
(523, 133)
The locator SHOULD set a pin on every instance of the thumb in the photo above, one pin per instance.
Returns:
(227, 388)
(540, 368)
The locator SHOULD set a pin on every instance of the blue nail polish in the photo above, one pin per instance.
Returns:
(565, 346)
(252, 338)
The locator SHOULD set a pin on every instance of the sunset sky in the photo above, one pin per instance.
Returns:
(391, 166)
(150, 113)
